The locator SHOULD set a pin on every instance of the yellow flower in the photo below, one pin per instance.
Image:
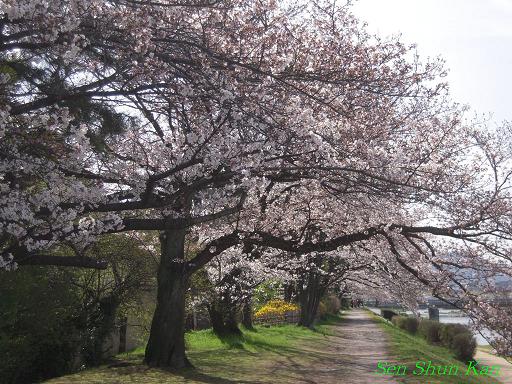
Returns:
(275, 308)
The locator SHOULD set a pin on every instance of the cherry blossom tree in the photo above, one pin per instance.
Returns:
(232, 278)
(247, 122)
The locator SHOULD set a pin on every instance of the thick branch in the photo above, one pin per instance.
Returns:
(63, 261)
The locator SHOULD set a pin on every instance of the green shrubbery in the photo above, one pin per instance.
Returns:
(456, 337)
(39, 335)
(449, 331)
(459, 339)
(55, 320)
(407, 323)
(430, 330)
(464, 346)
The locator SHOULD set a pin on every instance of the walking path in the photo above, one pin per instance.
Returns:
(350, 356)
(361, 344)
(486, 358)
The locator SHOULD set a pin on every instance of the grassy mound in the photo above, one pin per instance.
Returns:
(409, 349)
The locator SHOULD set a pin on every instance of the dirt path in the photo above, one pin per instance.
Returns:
(485, 358)
(349, 356)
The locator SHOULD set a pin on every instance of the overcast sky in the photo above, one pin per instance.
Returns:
(473, 36)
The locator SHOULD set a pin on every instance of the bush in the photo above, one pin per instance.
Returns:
(321, 312)
(275, 308)
(464, 346)
(345, 303)
(430, 330)
(332, 305)
(407, 323)
(388, 314)
(449, 331)
(39, 338)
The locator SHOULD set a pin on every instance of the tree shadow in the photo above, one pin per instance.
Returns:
(197, 375)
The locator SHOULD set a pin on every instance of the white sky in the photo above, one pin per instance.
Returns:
(473, 36)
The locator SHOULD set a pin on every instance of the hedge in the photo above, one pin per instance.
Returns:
(430, 330)
(456, 337)
(407, 323)
(449, 331)
(464, 346)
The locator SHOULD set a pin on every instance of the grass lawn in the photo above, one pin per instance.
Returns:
(409, 349)
(267, 354)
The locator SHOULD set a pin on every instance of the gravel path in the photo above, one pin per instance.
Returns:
(361, 343)
(349, 356)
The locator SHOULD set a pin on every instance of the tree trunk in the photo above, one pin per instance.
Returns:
(103, 325)
(123, 328)
(232, 321)
(309, 300)
(288, 292)
(223, 319)
(166, 345)
(247, 314)
(216, 320)
(308, 309)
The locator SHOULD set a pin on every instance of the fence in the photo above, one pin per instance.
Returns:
(291, 317)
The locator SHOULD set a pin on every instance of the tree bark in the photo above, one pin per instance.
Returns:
(123, 328)
(309, 298)
(166, 345)
(216, 320)
(288, 292)
(247, 314)
(223, 319)
(102, 325)
(232, 322)
(308, 309)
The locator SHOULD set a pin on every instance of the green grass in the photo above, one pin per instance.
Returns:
(260, 355)
(409, 349)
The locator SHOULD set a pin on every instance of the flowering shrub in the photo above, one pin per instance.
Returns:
(275, 308)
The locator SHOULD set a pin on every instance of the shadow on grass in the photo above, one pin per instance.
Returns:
(197, 375)
(331, 320)
(287, 353)
(286, 338)
(220, 359)
(233, 341)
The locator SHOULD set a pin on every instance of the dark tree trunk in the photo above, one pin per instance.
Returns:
(122, 335)
(308, 309)
(166, 345)
(216, 320)
(288, 292)
(309, 298)
(232, 322)
(103, 325)
(224, 319)
(247, 314)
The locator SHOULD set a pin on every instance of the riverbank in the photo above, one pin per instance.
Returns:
(416, 354)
